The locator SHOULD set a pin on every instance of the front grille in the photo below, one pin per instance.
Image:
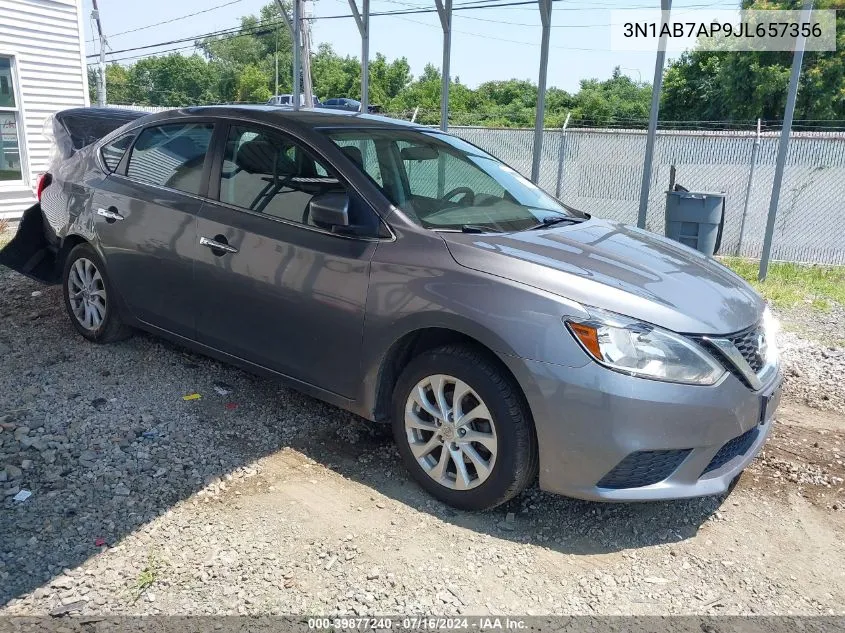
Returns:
(737, 446)
(643, 468)
(748, 344)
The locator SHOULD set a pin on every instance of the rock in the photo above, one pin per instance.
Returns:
(12, 471)
(26, 464)
(39, 444)
(373, 573)
(62, 582)
(122, 490)
(65, 609)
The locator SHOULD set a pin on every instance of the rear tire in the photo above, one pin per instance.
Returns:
(89, 298)
(474, 453)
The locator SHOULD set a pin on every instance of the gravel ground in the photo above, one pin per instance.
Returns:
(255, 499)
(813, 346)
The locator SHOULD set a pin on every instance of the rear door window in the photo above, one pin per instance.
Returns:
(171, 156)
(265, 172)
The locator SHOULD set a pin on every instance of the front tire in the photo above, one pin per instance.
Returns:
(89, 299)
(463, 429)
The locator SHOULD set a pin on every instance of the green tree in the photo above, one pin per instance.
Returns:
(615, 101)
(172, 80)
(707, 85)
(252, 49)
(118, 83)
(252, 85)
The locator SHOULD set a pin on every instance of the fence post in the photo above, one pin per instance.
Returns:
(783, 142)
(561, 156)
(657, 85)
(754, 150)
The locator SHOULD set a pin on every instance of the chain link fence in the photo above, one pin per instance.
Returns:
(600, 171)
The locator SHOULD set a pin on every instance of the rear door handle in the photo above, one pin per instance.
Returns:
(109, 214)
(214, 245)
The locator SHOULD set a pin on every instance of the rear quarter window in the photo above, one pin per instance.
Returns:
(114, 151)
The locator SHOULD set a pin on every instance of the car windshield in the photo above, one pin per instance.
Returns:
(444, 183)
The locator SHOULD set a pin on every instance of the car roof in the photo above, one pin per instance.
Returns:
(307, 118)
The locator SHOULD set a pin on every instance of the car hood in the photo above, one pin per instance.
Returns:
(619, 268)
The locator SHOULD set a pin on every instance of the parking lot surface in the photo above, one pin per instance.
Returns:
(254, 499)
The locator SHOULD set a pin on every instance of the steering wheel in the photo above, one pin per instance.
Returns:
(469, 194)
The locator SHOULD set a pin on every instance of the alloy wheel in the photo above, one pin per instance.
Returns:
(87, 294)
(450, 432)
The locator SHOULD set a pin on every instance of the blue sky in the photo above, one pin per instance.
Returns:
(500, 43)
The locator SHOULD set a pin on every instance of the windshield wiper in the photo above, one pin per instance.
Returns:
(551, 220)
(474, 228)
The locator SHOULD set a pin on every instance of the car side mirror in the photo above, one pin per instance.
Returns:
(330, 209)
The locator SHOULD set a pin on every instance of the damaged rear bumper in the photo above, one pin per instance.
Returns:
(31, 252)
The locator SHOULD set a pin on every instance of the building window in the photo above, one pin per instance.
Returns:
(10, 125)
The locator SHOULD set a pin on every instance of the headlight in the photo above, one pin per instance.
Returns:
(771, 327)
(642, 349)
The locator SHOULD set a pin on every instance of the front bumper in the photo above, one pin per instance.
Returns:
(599, 431)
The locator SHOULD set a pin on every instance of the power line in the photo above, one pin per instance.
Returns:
(258, 29)
(181, 17)
(270, 27)
(237, 29)
(500, 39)
(144, 55)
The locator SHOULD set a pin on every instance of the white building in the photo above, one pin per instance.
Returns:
(42, 71)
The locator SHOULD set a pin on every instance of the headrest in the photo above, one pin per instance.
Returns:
(260, 156)
(354, 154)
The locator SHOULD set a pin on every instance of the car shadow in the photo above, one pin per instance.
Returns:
(111, 444)
(566, 525)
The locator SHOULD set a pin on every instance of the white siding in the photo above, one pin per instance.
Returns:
(46, 39)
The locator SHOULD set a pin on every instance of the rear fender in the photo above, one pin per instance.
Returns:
(30, 252)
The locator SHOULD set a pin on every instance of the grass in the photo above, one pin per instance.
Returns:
(788, 285)
(145, 579)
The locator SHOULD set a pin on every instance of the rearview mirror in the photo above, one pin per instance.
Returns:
(330, 209)
(419, 152)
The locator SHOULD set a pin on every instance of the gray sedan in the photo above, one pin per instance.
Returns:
(415, 280)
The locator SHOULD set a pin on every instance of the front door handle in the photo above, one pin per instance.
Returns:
(216, 245)
(111, 214)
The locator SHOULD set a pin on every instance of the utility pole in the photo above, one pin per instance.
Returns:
(307, 87)
(297, 62)
(101, 75)
(277, 64)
